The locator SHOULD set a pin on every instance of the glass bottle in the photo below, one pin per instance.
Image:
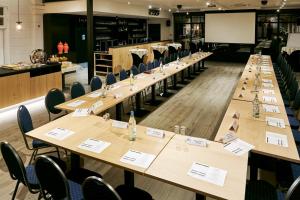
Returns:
(131, 78)
(256, 106)
(132, 127)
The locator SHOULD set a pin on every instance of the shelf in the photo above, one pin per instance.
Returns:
(103, 66)
(104, 59)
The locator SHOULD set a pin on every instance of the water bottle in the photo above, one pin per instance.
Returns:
(131, 78)
(177, 59)
(190, 54)
(256, 107)
(132, 127)
(161, 67)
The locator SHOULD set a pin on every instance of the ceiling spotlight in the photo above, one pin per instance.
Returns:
(208, 3)
(150, 6)
(278, 10)
(170, 10)
(187, 13)
(128, 3)
(159, 8)
(219, 8)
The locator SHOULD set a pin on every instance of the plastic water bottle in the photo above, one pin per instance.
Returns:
(190, 54)
(132, 127)
(177, 59)
(256, 107)
(131, 78)
(161, 67)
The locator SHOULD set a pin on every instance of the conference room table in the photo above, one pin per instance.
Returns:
(172, 156)
(122, 90)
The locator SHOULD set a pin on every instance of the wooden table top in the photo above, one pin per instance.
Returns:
(94, 127)
(174, 162)
(122, 88)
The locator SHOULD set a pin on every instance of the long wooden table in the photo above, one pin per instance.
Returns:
(142, 81)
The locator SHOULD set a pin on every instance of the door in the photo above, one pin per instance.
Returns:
(154, 32)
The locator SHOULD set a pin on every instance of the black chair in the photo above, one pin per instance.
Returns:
(53, 181)
(77, 90)
(96, 188)
(150, 65)
(123, 75)
(53, 98)
(25, 125)
(110, 79)
(142, 68)
(134, 70)
(156, 63)
(95, 83)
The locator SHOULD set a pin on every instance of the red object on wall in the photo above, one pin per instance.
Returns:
(60, 48)
(66, 48)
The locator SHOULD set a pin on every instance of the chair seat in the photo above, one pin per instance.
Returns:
(261, 190)
(293, 122)
(129, 193)
(80, 174)
(289, 111)
(39, 144)
(31, 176)
(75, 190)
(280, 195)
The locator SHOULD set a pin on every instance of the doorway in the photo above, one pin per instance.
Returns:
(154, 32)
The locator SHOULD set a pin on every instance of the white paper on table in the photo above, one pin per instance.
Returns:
(95, 94)
(265, 68)
(96, 146)
(81, 112)
(60, 133)
(96, 105)
(266, 80)
(114, 87)
(137, 158)
(140, 76)
(267, 73)
(119, 124)
(272, 121)
(267, 91)
(276, 139)
(271, 108)
(197, 141)
(76, 103)
(267, 85)
(269, 99)
(206, 173)
(228, 137)
(238, 147)
(155, 132)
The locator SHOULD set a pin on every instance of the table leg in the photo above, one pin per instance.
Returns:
(75, 161)
(175, 86)
(139, 112)
(119, 112)
(129, 178)
(165, 91)
(183, 78)
(203, 64)
(63, 81)
(189, 73)
(153, 101)
(200, 197)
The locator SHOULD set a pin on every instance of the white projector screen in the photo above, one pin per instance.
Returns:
(230, 27)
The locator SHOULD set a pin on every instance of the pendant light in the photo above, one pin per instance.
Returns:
(18, 23)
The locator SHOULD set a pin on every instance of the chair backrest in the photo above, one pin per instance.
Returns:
(14, 163)
(77, 90)
(135, 70)
(110, 79)
(142, 68)
(53, 98)
(96, 188)
(155, 63)
(95, 83)
(24, 122)
(123, 74)
(294, 191)
(51, 178)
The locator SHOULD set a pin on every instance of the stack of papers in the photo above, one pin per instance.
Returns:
(114, 87)
(96, 146)
(119, 124)
(267, 85)
(206, 173)
(267, 91)
(59, 133)
(238, 147)
(269, 99)
(197, 141)
(81, 112)
(271, 108)
(155, 132)
(272, 121)
(76, 103)
(137, 158)
(276, 139)
(266, 80)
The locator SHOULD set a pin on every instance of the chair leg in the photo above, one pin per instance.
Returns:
(49, 116)
(32, 156)
(57, 152)
(15, 191)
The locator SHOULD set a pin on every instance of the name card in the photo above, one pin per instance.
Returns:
(241, 95)
(119, 124)
(234, 125)
(96, 105)
(96, 146)
(209, 174)
(59, 133)
(197, 141)
(238, 147)
(236, 115)
(244, 87)
(114, 87)
(228, 137)
(267, 73)
(269, 99)
(137, 158)
(118, 95)
(95, 94)
(271, 108)
(266, 68)
(266, 80)
(81, 112)
(267, 85)
(267, 91)
(272, 121)
(245, 82)
(155, 132)
(76, 103)
(276, 139)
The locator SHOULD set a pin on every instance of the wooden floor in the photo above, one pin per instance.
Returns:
(199, 106)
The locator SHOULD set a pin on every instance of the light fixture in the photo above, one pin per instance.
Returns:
(170, 10)
(219, 8)
(18, 23)
(278, 10)
(159, 8)
(208, 3)
(187, 13)
(150, 6)
(128, 3)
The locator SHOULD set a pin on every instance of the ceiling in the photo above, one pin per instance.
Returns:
(224, 4)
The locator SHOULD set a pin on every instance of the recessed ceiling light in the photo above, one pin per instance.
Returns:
(187, 13)
(170, 10)
(208, 3)
(128, 3)
(159, 8)
(278, 10)
(150, 6)
(219, 8)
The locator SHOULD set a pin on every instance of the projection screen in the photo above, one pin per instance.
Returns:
(230, 27)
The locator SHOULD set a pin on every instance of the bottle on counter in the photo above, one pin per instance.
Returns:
(131, 78)
(161, 67)
(132, 127)
(255, 103)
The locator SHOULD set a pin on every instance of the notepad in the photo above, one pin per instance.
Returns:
(119, 124)
(276, 139)
(59, 133)
(138, 158)
(96, 146)
(267, 85)
(95, 94)
(266, 80)
(209, 174)
(155, 132)
(81, 112)
(269, 99)
(271, 108)
(272, 121)
(76, 103)
(238, 147)
(267, 91)
(197, 141)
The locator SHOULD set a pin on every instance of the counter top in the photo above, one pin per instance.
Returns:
(136, 44)
(37, 71)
